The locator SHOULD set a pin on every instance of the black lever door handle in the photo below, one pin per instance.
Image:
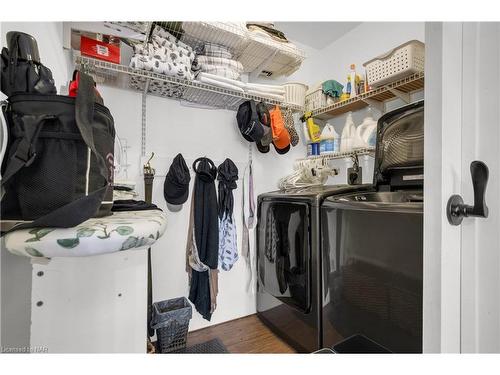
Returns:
(456, 210)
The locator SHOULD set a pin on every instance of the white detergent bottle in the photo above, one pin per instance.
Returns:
(329, 140)
(348, 134)
(306, 139)
(366, 131)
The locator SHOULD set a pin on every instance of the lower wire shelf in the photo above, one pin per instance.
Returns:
(203, 94)
(341, 155)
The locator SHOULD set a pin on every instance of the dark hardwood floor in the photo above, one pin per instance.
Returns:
(244, 335)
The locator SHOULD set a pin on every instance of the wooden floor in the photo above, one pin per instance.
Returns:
(244, 335)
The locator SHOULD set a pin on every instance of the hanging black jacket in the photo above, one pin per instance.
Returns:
(206, 228)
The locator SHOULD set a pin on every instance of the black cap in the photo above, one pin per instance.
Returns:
(176, 186)
(282, 151)
(248, 122)
(263, 149)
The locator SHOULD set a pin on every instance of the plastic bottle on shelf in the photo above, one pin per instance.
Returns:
(366, 131)
(348, 134)
(306, 138)
(314, 130)
(352, 81)
(329, 140)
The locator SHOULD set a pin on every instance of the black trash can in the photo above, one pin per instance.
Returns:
(171, 321)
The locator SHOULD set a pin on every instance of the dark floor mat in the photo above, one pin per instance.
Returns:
(209, 347)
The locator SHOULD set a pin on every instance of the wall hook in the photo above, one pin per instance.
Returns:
(147, 167)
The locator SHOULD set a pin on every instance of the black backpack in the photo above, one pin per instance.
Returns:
(58, 166)
(21, 69)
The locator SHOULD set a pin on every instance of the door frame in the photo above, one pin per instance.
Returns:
(443, 177)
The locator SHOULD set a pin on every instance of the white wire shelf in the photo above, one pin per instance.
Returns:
(257, 53)
(340, 155)
(203, 94)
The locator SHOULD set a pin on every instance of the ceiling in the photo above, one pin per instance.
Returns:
(317, 35)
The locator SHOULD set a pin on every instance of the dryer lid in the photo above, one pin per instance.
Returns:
(399, 155)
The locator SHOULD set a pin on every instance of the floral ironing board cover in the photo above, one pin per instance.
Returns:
(120, 231)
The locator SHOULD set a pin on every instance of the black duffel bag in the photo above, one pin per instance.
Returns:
(58, 166)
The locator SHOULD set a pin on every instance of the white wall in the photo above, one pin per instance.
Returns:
(364, 42)
(174, 128)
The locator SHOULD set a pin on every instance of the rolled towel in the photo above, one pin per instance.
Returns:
(160, 31)
(139, 49)
(160, 54)
(185, 46)
(149, 63)
(188, 54)
(136, 62)
(159, 66)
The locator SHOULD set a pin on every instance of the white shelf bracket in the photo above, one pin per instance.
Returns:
(143, 117)
(375, 104)
(253, 75)
(400, 94)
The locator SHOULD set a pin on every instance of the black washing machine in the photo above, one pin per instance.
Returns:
(372, 244)
(289, 262)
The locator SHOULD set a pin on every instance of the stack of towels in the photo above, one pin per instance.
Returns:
(164, 55)
(214, 65)
(217, 60)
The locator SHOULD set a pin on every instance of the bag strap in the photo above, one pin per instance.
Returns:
(25, 152)
(86, 207)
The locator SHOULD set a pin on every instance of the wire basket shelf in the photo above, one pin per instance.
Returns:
(341, 155)
(203, 94)
(257, 52)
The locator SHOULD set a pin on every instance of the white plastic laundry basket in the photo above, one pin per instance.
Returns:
(315, 99)
(295, 93)
(398, 63)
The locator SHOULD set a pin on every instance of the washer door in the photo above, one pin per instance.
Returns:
(283, 252)
(372, 271)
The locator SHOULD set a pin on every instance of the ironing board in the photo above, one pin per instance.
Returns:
(120, 231)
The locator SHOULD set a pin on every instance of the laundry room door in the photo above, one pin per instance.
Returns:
(462, 261)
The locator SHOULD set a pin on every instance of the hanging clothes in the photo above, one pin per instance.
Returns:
(227, 174)
(203, 239)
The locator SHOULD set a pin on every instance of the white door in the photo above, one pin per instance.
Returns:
(462, 263)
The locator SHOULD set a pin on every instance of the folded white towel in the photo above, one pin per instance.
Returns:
(273, 89)
(216, 50)
(220, 71)
(223, 79)
(220, 61)
(219, 83)
(266, 95)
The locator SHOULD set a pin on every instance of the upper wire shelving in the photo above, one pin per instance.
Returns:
(169, 87)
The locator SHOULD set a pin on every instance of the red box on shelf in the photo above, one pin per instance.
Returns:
(100, 50)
